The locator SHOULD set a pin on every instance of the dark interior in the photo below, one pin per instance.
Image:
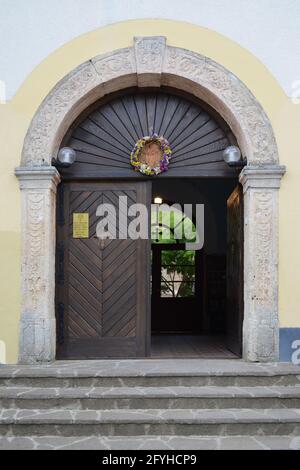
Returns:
(188, 288)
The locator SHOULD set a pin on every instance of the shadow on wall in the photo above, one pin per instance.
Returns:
(2, 352)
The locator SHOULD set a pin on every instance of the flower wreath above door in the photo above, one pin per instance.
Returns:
(151, 155)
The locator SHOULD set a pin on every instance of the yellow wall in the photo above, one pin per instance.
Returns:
(15, 117)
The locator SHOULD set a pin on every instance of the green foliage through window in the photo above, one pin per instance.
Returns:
(177, 273)
(171, 225)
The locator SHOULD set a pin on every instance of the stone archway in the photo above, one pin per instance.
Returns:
(150, 62)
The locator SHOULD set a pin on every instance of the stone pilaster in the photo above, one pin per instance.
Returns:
(37, 325)
(260, 329)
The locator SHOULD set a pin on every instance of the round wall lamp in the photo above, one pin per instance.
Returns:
(65, 157)
(233, 157)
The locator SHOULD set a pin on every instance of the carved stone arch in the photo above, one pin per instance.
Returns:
(149, 62)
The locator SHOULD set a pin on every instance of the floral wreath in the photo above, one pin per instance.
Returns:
(145, 168)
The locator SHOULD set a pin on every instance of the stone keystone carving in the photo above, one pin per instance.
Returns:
(149, 54)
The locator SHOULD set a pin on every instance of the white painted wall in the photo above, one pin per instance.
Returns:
(31, 29)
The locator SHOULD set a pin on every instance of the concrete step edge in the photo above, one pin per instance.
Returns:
(153, 416)
(273, 391)
(110, 368)
(163, 442)
(86, 374)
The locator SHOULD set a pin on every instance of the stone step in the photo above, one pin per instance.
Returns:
(157, 422)
(150, 373)
(150, 443)
(101, 398)
(150, 381)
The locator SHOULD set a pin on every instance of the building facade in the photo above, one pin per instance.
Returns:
(100, 85)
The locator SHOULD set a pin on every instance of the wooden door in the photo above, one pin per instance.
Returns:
(102, 295)
(235, 266)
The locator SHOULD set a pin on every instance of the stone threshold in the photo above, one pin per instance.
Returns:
(149, 367)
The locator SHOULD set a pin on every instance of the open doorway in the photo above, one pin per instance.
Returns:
(193, 304)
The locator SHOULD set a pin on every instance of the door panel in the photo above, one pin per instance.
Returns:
(102, 297)
(235, 266)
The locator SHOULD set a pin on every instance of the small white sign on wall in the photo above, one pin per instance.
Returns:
(2, 92)
(2, 352)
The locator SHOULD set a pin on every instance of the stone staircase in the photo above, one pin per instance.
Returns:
(144, 404)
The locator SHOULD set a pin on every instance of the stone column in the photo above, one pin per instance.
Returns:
(261, 328)
(37, 324)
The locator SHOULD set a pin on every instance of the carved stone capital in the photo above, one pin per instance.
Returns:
(262, 177)
(44, 177)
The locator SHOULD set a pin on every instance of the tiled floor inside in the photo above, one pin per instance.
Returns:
(190, 346)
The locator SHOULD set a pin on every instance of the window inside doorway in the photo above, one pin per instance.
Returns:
(177, 273)
(171, 228)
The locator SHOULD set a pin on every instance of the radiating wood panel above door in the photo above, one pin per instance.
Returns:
(104, 139)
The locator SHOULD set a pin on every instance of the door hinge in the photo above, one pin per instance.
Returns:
(60, 206)
(60, 262)
(61, 323)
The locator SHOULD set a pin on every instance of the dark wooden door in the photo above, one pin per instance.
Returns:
(102, 297)
(235, 266)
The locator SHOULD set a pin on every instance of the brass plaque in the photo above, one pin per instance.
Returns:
(81, 225)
